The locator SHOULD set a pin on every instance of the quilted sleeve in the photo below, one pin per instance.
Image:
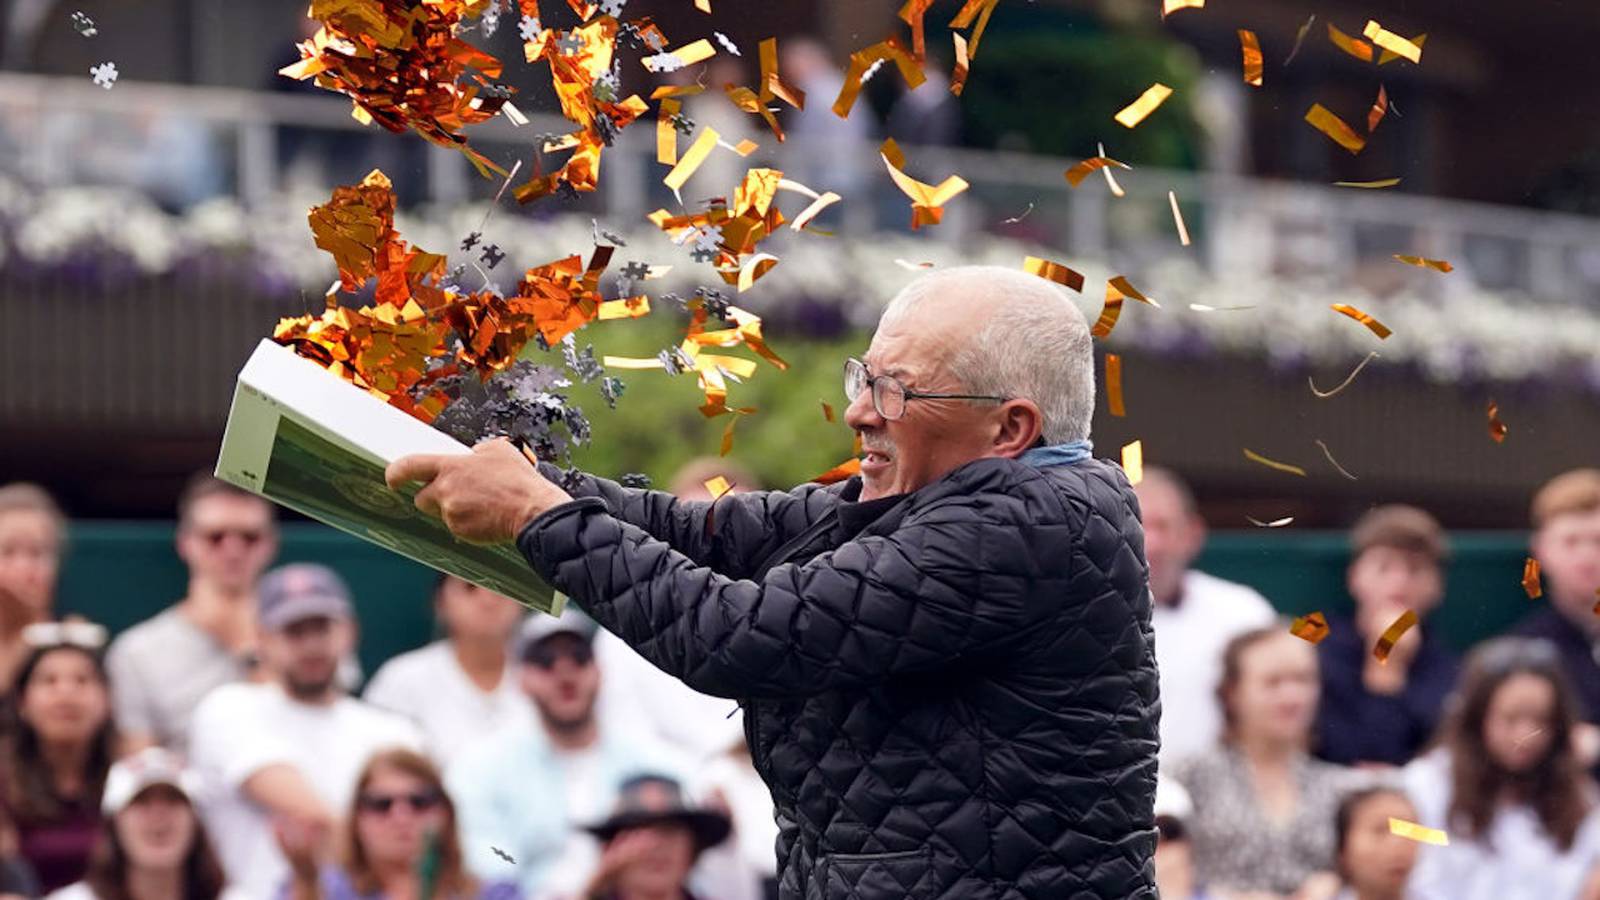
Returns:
(733, 534)
(963, 576)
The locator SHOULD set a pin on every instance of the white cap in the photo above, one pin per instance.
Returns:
(1172, 799)
(129, 777)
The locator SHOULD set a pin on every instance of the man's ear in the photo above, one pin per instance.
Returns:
(1018, 429)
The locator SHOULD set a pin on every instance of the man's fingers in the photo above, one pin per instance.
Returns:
(428, 500)
(422, 467)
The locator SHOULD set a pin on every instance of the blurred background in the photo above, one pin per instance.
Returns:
(151, 234)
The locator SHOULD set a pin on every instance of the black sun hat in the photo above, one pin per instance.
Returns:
(657, 799)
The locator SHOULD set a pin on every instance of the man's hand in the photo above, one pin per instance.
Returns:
(485, 497)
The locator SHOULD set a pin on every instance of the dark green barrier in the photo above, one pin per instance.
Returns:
(120, 573)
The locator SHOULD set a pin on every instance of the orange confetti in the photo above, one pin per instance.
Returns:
(958, 75)
(666, 133)
(1354, 46)
(927, 201)
(1133, 461)
(862, 60)
(1117, 290)
(1251, 50)
(692, 158)
(827, 411)
(703, 5)
(1420, 833)
(1135, 112)
(914, 13)
(1497, 428)
(1168, 7)
(849, 467)
(1370, 185)
(687, 55)
(1392, 635)
(1272, 463)
(1376, 327)
(1322, 119)
(1053, 271)
(1082, 170)
(1380, 108)
(1311, 628)
(981, 9)
(1391, 42)
(1437, 265)
(1114, 385)
(1530, 579)
(716, 486)
(1275, 523)
(1390, 56)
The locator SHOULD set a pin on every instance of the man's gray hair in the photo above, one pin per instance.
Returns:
(1035, 344)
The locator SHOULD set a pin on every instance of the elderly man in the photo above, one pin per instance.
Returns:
(946, 664)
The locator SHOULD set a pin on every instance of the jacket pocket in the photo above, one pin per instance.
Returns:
(905, 875)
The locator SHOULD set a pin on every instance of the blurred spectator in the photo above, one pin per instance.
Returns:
(929, 116)
(822, 149)
(291, 748)
(32, 534)
(1174, 860)
(1374, 863)
(162, 667)
(729, 782)
(651, 842)
(634, 691)
(1264, 808)
(58, 752)
(1195, 615)
(1384, 712)
(401, 842)
(718, 175)
(152, 844)
(524, 792)
(463, 688)
(1566, 541)
(1507, 785)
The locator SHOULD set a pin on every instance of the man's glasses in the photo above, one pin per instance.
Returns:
(546, 654)
(889, 396)
(381, 804)
(216, 537)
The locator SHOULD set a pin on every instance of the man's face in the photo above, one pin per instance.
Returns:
(306, 654)
(1568, 549)
(227, 541)
(1172, 537)
(1387, 581)
(562, 680)
(469, 612)
(30, 554)
(934, 436)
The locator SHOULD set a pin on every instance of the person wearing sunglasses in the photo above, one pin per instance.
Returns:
(400, 842)
(526, 792)
(162, 667)
(948, 652)
(57, 752)
(288, 750)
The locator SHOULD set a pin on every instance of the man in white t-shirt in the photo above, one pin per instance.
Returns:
(525, 793)
(1194, 618)
(287, 752)
(464, 688)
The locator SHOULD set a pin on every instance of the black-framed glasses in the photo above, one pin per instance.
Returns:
(889, 396)
(380, 804)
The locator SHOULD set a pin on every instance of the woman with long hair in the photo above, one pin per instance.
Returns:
(1263, 806)
(54, 760)
(400, 842)
(152, 846)
(1505, 782)
(1373, 862)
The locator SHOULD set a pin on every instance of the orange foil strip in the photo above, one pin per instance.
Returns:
(1311, 628)
(1135, 112)
(1082, 170)
(1354, 46)
(1114, 385)
(1133, 461)
(1392, 635)
(1323, 120)
(1053, 271)
(1250, 47)
(1437, 265)
(1391, 42)
(1530, 579)
(1497, 428)
(1373, 325)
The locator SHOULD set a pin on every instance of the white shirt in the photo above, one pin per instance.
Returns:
(240, 729)
(1189, 643)
(80, 890)
(1519, 861)
(429, 687)
(635, 694)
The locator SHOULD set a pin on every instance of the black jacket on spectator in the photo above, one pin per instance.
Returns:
(951, 694)
(1578, 655)
(1355, 725)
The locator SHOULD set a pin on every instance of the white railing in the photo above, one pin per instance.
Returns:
(192, 141)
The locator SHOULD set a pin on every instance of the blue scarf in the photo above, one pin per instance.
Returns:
(1058, 454)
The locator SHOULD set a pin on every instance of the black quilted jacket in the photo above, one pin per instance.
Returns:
(951, 694)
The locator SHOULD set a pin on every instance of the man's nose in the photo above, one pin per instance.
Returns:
(861, 414)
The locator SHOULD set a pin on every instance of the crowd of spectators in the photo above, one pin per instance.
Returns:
(226, 746)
